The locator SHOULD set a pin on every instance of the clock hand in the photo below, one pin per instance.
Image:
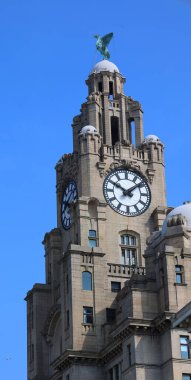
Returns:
(124, 190)
(121, 187)
(70, 197)
(128, 191)
(67, 203)
(65, 207)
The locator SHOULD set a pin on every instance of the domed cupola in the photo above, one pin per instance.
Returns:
(180, 215)
(150, 139)
(88, 129)
(104, 65)
(105, 78)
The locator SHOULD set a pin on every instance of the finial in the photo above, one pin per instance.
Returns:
(102, 43)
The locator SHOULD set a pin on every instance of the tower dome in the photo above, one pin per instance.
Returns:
(151, 138)
(88, 129)
(183, 211)
(104, 65)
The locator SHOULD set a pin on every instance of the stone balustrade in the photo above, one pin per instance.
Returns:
(124, 270)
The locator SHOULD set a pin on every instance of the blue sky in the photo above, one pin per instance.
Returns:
(46, 53)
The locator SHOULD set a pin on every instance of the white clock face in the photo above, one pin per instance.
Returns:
(127, 192)
(69, 196)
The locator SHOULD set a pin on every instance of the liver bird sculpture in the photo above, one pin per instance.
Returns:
(102, 43)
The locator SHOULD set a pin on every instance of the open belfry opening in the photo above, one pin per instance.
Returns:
(116, 301)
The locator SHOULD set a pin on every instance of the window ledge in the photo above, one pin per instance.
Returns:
(86, 290)
(177, 284)
(88, 329)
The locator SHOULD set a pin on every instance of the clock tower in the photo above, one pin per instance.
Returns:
(117, 174)
(101, 293)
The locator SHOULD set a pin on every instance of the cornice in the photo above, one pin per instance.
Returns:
(38, 288)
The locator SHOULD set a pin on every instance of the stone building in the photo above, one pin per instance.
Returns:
(116, 302)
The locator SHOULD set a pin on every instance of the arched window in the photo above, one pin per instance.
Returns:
(86, 280)
(129, 250)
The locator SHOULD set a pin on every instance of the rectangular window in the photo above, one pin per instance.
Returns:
(115, 286)
(133, 257)
(123, 256)
(111, 374)
(132, 240)
(100, 87)
(67, 319)
(129, 250)
(87, 315)
(92, 233)
(186, 376)
(184, 347)
(110, 315)
(129, 355)
(116, 372)
(92, 238)
(128, 257)
(110, 88)
(179, 274)
(122, 239)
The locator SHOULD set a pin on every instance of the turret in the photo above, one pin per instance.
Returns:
(113, 114)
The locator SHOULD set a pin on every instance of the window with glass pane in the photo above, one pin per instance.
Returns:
(184, 347)
(128, 355)
(116, 372)
(179, 274)
(123, 256)
(186, 377)
(67, 319)
(92, 238)
(111, 374)
(87, 314)
(129, 250)
(115, 286)
(86, 280)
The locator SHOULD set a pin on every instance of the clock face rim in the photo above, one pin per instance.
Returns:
(113, 207)
(67, 227)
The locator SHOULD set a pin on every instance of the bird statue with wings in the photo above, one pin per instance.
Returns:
(102, 43)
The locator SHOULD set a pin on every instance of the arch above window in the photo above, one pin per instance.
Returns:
(86, 280)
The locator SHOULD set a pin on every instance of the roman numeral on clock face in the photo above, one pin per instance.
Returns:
(126, 192)
(112, 199)
(119, 206)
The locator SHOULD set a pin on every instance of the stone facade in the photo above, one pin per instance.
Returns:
(116, 302)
